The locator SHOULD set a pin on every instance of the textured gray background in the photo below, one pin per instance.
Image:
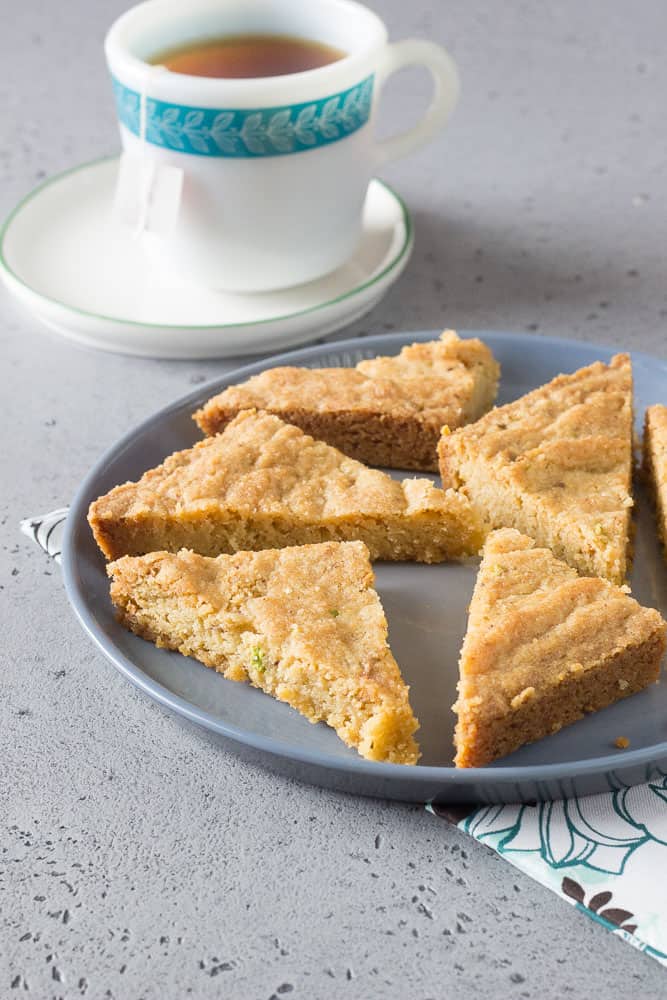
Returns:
(136, 859)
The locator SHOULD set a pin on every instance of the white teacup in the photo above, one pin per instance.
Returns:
(275, 169)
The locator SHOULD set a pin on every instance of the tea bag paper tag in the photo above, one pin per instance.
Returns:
(148, 195)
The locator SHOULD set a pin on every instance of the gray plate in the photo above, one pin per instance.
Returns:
(426, 610)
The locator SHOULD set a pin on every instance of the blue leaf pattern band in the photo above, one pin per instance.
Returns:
(248, 132)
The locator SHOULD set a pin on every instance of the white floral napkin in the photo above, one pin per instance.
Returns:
(606, 854)
(47, 530)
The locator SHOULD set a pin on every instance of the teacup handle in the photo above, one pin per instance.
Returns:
(415, 52)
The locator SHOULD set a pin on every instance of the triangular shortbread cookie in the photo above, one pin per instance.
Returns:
(557, 465)
(655, 464)
(387, 411)
(543, 647)
(303, 624)
(265, 484)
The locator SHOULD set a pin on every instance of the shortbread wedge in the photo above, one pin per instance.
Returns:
(265, 484)
(556, 465)
(385, 412)
(544, 646)
(655, 465)
(303, 624)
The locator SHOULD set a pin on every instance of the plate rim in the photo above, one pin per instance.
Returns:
(356, 766)
(11, 276)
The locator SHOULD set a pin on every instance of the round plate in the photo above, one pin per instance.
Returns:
(426, 610)
(63, 255)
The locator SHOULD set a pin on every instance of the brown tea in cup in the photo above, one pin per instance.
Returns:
(237, 56)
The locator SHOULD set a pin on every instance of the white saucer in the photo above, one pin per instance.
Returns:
(64, 257)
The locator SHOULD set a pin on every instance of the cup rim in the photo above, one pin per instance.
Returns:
(124, 63)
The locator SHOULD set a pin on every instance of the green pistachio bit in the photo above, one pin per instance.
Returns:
(257, 659)
(334, 612)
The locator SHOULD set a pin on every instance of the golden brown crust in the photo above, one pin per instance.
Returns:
(575, 698)
(265, 484)
(655, 465)
(543, 647)
(387, 411)
(303, 624)
(557, 465)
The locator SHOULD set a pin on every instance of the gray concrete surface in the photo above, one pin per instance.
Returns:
(139, 861)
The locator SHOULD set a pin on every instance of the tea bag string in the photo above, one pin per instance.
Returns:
(147, 174)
